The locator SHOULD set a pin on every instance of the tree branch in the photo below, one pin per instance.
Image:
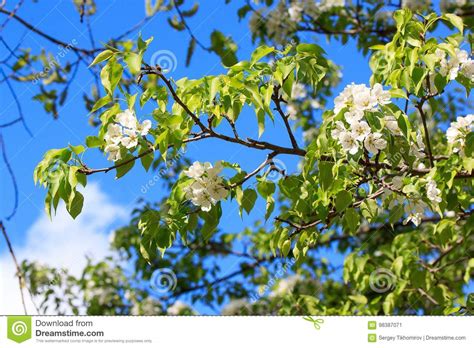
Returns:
(284, 117)
(46, 36)
(419, 106)
(19, 273)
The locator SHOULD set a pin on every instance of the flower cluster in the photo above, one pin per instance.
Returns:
(460, 63)
(415, 209)
(357, 99)
(458, 131)
(125, 132)
(286, 285)
(207, 188)
(433, 192)
(178, 308)
(416, 5)
(297, 8)
(414, 206)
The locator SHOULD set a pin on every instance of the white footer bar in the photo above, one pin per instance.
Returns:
(50, 331)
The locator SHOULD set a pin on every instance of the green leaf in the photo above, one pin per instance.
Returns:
(265, 188)
(343, 200)
(398, 93)
(75, 206)
(102, 56)
(110, 75)
(351, 219)
(225, 48)
(190, 52)
(123, 169)
(309, 48)
(261, 52)
(101, 103)
(151, 7)
(285, 248)
(248, 200)
(397, 265)
(469, 150)
(78, 149)
(134, 62)
(93, 141)
(325, 174)
(455, 20)
(359, 299)
(147, 159)
(389, 304)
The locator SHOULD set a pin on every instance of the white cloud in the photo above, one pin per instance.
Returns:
(62, 242)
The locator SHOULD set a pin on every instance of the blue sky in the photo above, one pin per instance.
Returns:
(113, 18)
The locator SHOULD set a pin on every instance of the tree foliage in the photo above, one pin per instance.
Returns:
(385, 177)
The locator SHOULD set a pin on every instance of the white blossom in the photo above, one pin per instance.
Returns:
(310, 134)
(450, 214)
(360, 130)
(298, 91)
(381, 96)
(114, 134)
(467, 69)
(177, 308)
(417, 148)
(326, 5)
(127, 119)
(432, 192)
(125, 132)
(197, 170)
(359, 98)
(339, 128)
(295, 11)
(414, 209)
(315, 104)
(207, 187)
(452, 66)
(144, 127)
(286, 285)
(234, 307)
(457, 132)
(131, 140)
(353, 116)
(416, 5)
(291, 111)
(114, 152)
(349, 142)
(392, 124)
(374, 142)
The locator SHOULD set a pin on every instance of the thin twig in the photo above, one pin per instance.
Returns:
(12, 176)
(190, 32)
(19, 274)
(284, 117)
(47, 36)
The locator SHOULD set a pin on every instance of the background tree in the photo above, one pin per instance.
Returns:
(378, 179)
